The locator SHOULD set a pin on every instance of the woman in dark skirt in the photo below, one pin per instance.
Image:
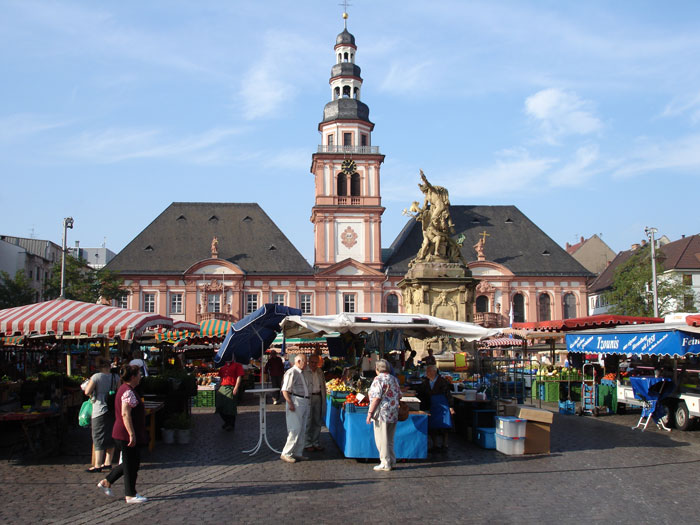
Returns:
(231, 375)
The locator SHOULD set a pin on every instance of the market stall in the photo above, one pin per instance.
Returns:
(346, 414)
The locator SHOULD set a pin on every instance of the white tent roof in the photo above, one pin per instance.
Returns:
(412, 325)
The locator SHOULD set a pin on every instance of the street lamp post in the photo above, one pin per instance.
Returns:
(67, 223)
(650, 231)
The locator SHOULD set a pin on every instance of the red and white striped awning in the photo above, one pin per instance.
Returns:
(75, 318)
(501, 341)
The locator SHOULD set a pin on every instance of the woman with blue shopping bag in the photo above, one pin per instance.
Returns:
(435, 396)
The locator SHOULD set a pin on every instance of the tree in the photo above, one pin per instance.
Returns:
(17, 291)
(632, 292)
(83, 283)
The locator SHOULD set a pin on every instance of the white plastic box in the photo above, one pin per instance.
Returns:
(510, 446)
(510, 426)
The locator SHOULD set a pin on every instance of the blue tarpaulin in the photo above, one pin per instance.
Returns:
(671, 342)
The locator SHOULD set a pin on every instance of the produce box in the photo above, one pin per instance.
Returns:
(567, 407)
(537, 437)
(535, 414)
(205, 398)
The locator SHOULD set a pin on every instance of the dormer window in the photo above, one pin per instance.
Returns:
(247, 219)
(509, 221)
(148, 248)
(181, 218)
(213, 219)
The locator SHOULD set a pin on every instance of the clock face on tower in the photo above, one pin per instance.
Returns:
(349, 166)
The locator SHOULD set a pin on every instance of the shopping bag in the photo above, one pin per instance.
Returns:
(85, 414)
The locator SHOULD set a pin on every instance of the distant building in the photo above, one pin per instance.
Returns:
(36, 257)
(592, 253)
(681, 260)
(95, 258)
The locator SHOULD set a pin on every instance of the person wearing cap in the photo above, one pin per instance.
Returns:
(297, 394)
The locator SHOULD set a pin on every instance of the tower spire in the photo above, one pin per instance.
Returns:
(345, 13)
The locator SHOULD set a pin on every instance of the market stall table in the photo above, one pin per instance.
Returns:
(37, 427)
(355, 437)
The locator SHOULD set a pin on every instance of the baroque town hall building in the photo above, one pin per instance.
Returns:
(199, 261)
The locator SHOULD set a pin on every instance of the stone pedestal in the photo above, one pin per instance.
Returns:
(440, 289)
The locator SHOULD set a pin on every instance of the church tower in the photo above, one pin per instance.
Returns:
(347, 209)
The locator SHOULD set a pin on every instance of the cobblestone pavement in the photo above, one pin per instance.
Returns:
(599, 471)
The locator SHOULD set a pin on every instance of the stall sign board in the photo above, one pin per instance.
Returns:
(669, 342)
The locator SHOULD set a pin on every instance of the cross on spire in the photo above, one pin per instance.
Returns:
(345, 5)
(483, 235)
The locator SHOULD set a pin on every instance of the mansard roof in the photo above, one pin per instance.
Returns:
(182, 235)
(513, 241)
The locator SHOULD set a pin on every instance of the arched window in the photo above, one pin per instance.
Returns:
(355, 184)
(355, 92)
(518, 308)
(340, 58)
(345, 57)
(482, 304)
(392, 303)
(346, 91)
(342, 184)
(569, 306)
(336, 92)
(545, 307)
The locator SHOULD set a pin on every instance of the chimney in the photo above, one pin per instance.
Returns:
(683, 236)
(582, 239)
(568, 246)
(77, 245)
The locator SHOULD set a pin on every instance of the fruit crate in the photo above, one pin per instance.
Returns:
(204, 398)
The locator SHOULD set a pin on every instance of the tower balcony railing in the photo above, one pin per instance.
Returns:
(367, 150)
(352, 201)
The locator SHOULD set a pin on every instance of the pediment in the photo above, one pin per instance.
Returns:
(214, 266)
(488, 268)
(350, 267)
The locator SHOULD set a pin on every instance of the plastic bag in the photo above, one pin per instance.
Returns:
(85, 414)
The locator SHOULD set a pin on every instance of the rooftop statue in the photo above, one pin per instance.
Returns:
(437, 225)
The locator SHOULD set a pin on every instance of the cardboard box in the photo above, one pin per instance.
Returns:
(535, 414)
(537, 437)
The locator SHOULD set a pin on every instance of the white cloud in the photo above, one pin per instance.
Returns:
(684, 105)
(19, 125)
(579, 170)
(275, 77)
(561, 113)
(405, 78)
(116, 145)
(678, 157)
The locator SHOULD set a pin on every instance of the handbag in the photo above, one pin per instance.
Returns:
(111, 397)
(85, 414)
(403, 411)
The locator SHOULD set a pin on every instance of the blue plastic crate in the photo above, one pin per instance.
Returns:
(567, 407)
(485, 437)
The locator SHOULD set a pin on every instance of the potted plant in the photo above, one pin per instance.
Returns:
(183, 425)
(168, 430)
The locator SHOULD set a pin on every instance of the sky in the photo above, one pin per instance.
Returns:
(584, 115)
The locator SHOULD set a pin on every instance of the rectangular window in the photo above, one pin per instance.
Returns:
(251, 303)
(123, 301)
(149, 302)
(278, 298)
(214, 303)
(176, 303)
(30, 274)
(349, 302)
(305, 303)
(363, 139)
(331, 138)
(347, 139)
(688, 280)
(38, 274)
(688, 302)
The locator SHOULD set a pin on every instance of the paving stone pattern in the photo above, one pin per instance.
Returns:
(599, 471)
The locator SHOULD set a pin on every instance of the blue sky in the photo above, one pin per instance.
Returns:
(585, 115)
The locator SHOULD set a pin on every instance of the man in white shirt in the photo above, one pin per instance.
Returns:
(317, 384)
(138, 361)
(297, 394)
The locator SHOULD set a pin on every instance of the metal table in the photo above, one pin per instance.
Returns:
(262, 411)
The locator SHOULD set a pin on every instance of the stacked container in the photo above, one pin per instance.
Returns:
(510, 435)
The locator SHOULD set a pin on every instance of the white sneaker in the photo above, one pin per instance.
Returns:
(136, 499)
(382, 468)
(105, 489)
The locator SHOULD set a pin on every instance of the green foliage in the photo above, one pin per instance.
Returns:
(83, 283)
(632, 292)
(15, 291)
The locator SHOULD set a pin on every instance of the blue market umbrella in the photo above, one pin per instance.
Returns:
(251, 336)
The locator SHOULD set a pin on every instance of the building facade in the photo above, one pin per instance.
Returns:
(36, 257)
(199, 261)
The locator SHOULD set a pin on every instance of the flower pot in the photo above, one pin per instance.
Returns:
(168, 435)
(182, 436)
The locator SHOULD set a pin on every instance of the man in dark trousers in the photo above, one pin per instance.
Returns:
(274, 368)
